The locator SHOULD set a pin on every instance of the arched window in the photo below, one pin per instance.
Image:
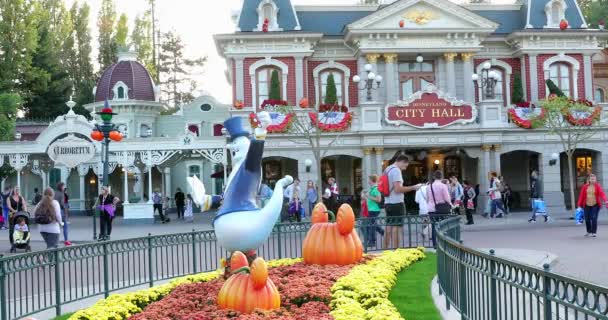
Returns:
(600, 96)
(555, 13)
(560, 73)
(217, 129)
(121, 91)
(267, 9)
(415, 76)
(194, 128)
(194, 170)
(338, 80)
(263, 79)
(500, 89)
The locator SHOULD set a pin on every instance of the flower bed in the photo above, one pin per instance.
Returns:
(307, 292)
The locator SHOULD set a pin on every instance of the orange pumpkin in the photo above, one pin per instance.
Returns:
(319, 213)
(333, 243)
(238, 260)
(304, 103)
(245, 292)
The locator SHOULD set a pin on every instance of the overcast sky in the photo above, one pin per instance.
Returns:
(197, 21)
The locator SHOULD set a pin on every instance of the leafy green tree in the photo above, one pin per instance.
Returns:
(518, 90)
(9, 102)
(122, 32)
(331, 96)
(594, 11)
(570, 136)
(142, 39)
(553, 89)
(274, 92)
(175, 71)
(83, 74)
(106, 22)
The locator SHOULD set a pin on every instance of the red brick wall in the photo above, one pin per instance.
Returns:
(291, 79)
(515, 65)
(541, 75)
(353, 94)
(233, 81)
(527, 84)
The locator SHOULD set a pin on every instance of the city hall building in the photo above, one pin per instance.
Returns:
(420, 98)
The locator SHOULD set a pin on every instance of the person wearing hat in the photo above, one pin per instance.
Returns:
(239, 224)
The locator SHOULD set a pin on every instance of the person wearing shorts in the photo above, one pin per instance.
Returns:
(394, 203)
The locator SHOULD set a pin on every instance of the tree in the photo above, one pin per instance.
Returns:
(553, 89)
(570, 136)
(122, 32)
(594, 11)
(9, 102)
(331, 96)
(176, 70)
(105, 24)
(142, 39)
(274, 92)
(518, 90)
(83, 75)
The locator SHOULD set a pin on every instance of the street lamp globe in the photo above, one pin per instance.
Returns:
(368, 67)
(493, 75)
(419, 58)
(487, 65)
(17, 135)
(378, 78)
(475, 77)
(356, 79)
(554, 156)
(371, 76)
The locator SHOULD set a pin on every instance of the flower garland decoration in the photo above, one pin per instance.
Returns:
(583, 117)
(525, 113)
(280, 122)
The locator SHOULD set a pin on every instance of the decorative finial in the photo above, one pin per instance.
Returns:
(71, 104)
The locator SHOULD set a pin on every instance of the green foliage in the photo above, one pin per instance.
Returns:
(9, 102)
(411, 295)
(106, 21)
(81, 70)
(518, 90)
(6, 171)
(142, 39)
(175, 71)
(274, 92)
(553, 89)
(122, 32)
(594, 11)
(331, 96)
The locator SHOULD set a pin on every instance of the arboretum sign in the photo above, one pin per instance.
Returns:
(430, 109)
(71, 151)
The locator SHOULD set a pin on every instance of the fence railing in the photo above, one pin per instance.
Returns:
(39, 281)
(485, 287)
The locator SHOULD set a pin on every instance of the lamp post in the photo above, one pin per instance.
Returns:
(368, 85)
(105, 132)
(489, 78)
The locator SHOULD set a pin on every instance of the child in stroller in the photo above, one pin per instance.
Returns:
(21, 233)
(296, 209)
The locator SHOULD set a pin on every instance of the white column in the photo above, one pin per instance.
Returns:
(588, 77)
(469, 89)
(82, 172)
(533, 78)
(450, 73)
(524, 76)
(379, 160)
(44, 177)
(142, 184)
(372, 58)
(150, 184)
(239, 76)
(367, 161)
(390, 78)
(19, 179)
(126, 185)
(167, 174)
(497, 167)
(65, 173)
(299, 79)
(484, 168)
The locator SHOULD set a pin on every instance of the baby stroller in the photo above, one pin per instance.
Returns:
(20, 235)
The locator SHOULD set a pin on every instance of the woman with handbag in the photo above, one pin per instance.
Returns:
(438, 200)
(48, 217)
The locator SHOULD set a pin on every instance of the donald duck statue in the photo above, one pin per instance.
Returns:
(240, 225)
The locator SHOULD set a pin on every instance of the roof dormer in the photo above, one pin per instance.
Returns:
(267, 9)
(281, 15)
(555, 10)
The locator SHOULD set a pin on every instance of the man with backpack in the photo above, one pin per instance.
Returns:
(392, 188)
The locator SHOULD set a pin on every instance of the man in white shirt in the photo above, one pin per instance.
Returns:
(292, 190)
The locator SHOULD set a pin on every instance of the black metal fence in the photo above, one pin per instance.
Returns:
(38, 281)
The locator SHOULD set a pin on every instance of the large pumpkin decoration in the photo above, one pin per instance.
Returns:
(248, 288)
(332, 243)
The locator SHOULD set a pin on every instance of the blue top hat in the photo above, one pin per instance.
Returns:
(234, 127)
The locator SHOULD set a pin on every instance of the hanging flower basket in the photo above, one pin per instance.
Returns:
(584, 117)
(273, 104)
(524, 114)
(280, 122)
(331, 121)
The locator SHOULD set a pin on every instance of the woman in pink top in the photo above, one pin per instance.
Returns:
(437, 194)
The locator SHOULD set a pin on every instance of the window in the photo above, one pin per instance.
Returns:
(339, 81)
(121, 91)
(500, 84)
(205, 107)
(599, 95)
(217, 129)
(414, 76)
(554, 11)
(195, 129)
(263, 77)
(267, 9)
(145, 130)
(194, 171)
(559, 73)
